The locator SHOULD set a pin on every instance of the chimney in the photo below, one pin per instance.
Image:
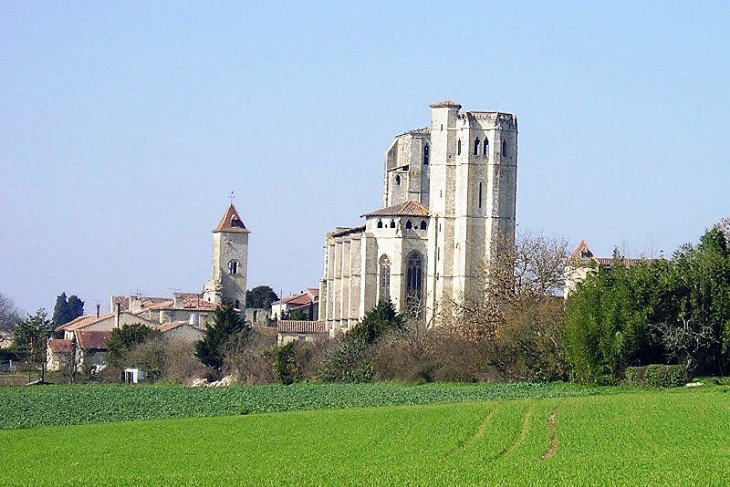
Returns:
(98, 307)
(117, 312)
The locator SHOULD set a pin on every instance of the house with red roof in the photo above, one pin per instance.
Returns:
(307, 302)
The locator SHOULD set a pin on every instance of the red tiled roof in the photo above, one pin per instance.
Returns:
(583, 256)
(175, 325)
(296, 326)
(231, 222)
(409, 208)
(93, 340)
(58, 345)
(146, 301)
(302, 298)
(83, 322)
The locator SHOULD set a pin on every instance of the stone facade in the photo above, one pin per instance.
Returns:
(448, 191)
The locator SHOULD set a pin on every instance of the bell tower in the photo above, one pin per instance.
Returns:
(230, 260)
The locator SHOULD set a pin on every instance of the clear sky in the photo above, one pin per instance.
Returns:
(125, 125)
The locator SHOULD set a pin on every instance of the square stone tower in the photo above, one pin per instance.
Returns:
(230, 260)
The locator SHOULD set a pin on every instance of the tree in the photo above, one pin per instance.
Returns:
(67, 309)
(9, 315)
(227, 323)
(124, 339)
(260, 297)
(31, 339)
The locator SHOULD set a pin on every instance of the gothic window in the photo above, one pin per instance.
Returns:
(409, 225)
(458, 147)
(397, 180)
(232, 267)
(384, 278)
(392, 223)
(380, 223)
(423, 225)
(486, 146)
(414, 279)
(476, 146)
(504, 148)
(426, 153)
(480, 194)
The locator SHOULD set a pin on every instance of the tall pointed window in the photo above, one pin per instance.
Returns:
(458, 147)
(480, 194)
(414, 279)
(486, 146)
(476, 146)
(384, 293)
(426, 155)
(232, 267)
(504, 148)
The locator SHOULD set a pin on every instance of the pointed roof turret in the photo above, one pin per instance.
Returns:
(231, 222)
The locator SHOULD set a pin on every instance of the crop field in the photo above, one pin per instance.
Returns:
(26, 407)
(650, 437)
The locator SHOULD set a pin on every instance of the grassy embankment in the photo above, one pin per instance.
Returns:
(633, 438)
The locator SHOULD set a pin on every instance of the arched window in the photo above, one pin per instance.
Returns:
(458, 147)
(486, 146)
(380, 223)
(409, 225)
(423, 225)
(426, 154)
(397, 180)
(392, 223)
(384, 278)
(504, 148)
(480, 194)
(476, 146)
(414, 279)
(232, 267)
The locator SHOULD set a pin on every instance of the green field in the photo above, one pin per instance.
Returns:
(652, 437)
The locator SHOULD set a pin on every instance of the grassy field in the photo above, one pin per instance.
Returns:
(633, 438)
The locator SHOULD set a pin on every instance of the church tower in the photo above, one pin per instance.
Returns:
(230, 260)
(473, 192)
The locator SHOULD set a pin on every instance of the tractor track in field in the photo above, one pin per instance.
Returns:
(477, 435)
(553, 448)
(517, 441)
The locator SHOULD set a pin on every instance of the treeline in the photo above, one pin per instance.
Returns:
(672, 311)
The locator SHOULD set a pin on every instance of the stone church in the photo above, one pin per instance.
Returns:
(449, 190)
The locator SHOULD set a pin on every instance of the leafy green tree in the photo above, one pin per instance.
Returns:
(226, 325)
(260, 297)
(286, 368)
(124, 339)
(31, 339)
(67, 309)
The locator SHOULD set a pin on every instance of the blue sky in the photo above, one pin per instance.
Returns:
(125, 125)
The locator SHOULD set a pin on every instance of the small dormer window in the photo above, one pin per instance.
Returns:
(423, 225)
(409, 225)
(380, 223)
(392, 223)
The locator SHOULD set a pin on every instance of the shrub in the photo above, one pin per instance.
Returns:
(658, 375)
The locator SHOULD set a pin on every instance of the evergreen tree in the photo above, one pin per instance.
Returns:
(67, 309)
(227, 324)
(31, 339)
(260, 297)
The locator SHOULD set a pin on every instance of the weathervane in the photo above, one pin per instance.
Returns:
(231, 197)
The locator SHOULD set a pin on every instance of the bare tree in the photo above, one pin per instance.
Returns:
(9, 315)
(684, 342)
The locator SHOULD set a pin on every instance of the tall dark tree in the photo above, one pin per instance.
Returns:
(67, 309)
(260, 297)
(227, 324)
